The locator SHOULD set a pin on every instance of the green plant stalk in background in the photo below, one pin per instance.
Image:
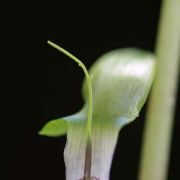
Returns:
(158, 127)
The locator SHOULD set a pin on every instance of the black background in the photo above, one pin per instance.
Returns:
(39, 84)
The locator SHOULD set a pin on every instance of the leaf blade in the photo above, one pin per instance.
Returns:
(54, 128)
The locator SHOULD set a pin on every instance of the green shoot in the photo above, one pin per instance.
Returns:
(87, 169)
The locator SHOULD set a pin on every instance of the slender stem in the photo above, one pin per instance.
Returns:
(87, 164)
(158, 127)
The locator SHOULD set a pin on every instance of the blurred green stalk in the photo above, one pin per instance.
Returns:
(159, 124)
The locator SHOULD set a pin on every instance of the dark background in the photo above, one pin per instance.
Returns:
(39, 84)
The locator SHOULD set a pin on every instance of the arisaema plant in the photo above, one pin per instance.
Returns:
(114, 90)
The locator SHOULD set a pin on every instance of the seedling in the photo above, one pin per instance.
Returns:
(114, 90)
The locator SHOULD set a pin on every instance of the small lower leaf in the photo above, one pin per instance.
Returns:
(54, 128)
(59, 127)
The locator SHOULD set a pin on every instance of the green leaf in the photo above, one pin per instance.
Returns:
(54, 128)
(59, 127)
